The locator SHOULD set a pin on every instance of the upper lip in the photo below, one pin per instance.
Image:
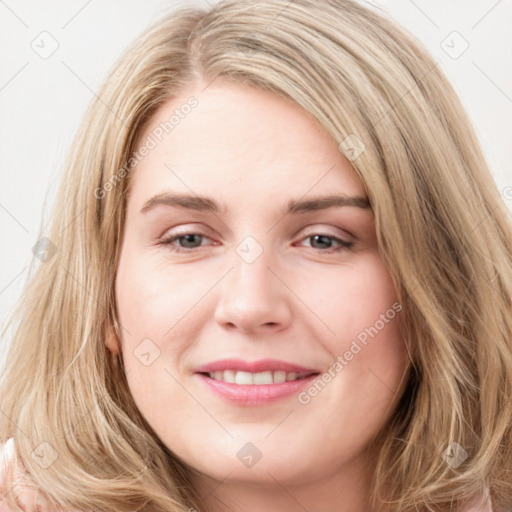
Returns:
(261, 365)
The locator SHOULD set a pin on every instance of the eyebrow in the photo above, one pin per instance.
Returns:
(202, 203)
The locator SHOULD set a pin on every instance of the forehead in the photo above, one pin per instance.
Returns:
(239, 141)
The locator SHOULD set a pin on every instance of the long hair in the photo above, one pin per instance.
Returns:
(442, 227)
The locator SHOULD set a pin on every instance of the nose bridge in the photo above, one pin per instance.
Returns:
(251, 268)
(252, 296)
(251, 278)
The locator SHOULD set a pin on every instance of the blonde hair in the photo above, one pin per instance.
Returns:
(442, 226)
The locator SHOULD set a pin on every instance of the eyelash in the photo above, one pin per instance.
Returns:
(168, 241)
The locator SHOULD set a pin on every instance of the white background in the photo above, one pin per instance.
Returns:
(42, 100)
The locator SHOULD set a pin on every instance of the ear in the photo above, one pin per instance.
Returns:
(112, 340)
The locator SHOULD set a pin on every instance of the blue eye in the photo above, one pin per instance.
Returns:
(188, 242)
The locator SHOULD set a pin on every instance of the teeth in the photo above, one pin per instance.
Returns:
(280, 376)
(229, 376)
(262, 378)
(245, 378)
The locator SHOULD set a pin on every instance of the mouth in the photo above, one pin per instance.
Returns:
(253, 389)
(254, 383)
(244, 378)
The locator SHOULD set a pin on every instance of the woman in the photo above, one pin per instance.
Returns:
(261, 368)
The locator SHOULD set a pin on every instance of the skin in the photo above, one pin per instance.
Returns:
(302, 300)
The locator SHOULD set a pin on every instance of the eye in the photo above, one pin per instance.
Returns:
(187, 241)
(323, 241)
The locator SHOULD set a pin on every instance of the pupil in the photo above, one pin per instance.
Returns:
(189, 238)
(326, 239)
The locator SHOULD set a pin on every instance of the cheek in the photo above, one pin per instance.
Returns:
(155, 301)
(369, 355)
(151, 310)
(353, 299)
(153, 307)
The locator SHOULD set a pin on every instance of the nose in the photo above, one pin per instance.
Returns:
(253, 297)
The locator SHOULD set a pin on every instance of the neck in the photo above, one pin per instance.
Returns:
(327, 489)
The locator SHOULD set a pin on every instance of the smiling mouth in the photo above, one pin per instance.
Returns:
(261, 378)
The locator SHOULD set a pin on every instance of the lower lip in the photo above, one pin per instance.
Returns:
(255, 394)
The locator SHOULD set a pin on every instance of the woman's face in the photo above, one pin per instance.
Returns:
(259, 266)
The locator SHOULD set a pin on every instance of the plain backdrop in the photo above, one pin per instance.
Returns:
(54, 54)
